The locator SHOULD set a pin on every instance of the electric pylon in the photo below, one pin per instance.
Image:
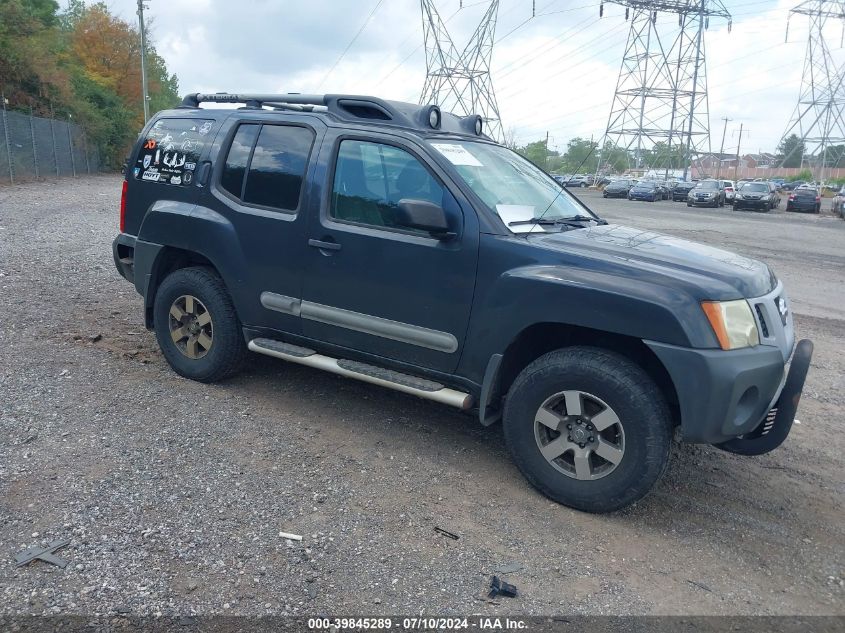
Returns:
(661, 92)
(818, 116)
(460, 82)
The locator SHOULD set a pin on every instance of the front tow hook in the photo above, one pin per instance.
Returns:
(771, 434)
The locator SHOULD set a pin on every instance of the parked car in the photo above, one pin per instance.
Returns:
(664, 188)
(398, 245)
(645, 190)
(789, 186)
(707, 193)
(681, 190)
(579, 180)
(804, 199)
(618, 188)
(838, 204)
(757, 196)
(728, 186)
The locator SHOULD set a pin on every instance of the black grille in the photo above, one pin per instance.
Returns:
(763, 327)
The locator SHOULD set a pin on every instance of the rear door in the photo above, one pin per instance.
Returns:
(259, 187)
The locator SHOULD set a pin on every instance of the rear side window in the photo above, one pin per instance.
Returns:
(265, 165)
(171, 150)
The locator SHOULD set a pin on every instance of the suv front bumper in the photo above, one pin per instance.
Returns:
(725, 394)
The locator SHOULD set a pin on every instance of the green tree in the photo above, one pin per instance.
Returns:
(661, 156)
(537, 152)
(580, 155)
(791, 151)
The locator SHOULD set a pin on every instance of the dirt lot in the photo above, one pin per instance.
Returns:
(173, 493)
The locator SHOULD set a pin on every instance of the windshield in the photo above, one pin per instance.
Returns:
(644, 185)
(707, 184)
(755, 187)
(510, 186)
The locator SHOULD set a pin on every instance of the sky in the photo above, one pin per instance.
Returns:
(553, 73)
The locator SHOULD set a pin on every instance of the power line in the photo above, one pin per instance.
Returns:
(351, 42)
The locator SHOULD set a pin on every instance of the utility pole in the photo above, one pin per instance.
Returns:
(143, 60)
(722, 146)
(547, 152)
(738, 143)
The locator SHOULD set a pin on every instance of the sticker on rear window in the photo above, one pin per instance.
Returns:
(457, 154)
(171, 150)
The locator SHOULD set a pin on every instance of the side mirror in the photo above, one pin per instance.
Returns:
(424, 216)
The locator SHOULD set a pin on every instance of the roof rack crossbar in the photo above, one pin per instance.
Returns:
(194, 100)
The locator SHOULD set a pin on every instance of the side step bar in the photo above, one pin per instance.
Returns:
(420, 387)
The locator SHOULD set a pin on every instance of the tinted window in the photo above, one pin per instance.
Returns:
(707, 184)
(370, 180)
(234, 170)
(278, 167)
(171, 150)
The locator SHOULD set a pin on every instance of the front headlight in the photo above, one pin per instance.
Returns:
(733, 323)
(738, 196)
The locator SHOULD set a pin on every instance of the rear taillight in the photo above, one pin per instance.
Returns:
(792, 197)
(123, 207)
(818, 199)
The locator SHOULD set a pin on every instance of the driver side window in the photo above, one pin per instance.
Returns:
(371, 178)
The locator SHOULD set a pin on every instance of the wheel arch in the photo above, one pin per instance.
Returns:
(167, 260)
(540, 338)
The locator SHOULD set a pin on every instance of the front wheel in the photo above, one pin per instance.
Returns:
(196, 325)
(588, 428)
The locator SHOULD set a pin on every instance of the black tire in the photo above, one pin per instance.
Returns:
(627, 390)
(227, 351)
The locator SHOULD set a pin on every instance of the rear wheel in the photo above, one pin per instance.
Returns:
(196, 325)
(588, 428)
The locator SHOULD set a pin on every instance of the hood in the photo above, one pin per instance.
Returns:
(715, 273)
(617, 185)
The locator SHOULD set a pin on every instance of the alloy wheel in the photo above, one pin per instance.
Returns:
(579, 435)
(191, 327)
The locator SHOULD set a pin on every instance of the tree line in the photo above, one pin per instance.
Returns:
(82, 63)
(585, 155)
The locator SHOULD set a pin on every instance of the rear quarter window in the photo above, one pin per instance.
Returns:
(171, 150)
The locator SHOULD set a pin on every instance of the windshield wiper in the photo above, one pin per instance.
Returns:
(543, 221)
(572, 220)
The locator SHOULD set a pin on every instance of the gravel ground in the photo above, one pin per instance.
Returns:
(173, 493)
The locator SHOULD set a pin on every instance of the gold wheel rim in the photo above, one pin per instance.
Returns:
(191, 328)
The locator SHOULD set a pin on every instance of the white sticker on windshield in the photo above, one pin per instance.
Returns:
(457, 154)
(518, 213)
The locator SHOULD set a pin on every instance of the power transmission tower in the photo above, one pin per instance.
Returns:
(818, 116)
(661, 93)
(459, 81)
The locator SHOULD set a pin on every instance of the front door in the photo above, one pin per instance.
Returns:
(374, 285)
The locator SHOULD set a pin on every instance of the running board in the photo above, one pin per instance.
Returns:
(406, 383)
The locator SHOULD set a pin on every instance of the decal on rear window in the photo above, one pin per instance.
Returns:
(172, 149)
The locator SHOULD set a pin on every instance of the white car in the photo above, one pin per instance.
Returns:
(730, 190)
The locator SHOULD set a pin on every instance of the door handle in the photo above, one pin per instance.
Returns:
(324, 246)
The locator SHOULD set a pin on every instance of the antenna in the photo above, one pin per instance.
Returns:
(456, 81)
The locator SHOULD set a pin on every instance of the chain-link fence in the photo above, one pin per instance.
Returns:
(33, 147)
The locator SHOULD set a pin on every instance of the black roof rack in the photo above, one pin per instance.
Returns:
(351, 108)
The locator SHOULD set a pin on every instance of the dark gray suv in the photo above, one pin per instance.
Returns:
(396, 244)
